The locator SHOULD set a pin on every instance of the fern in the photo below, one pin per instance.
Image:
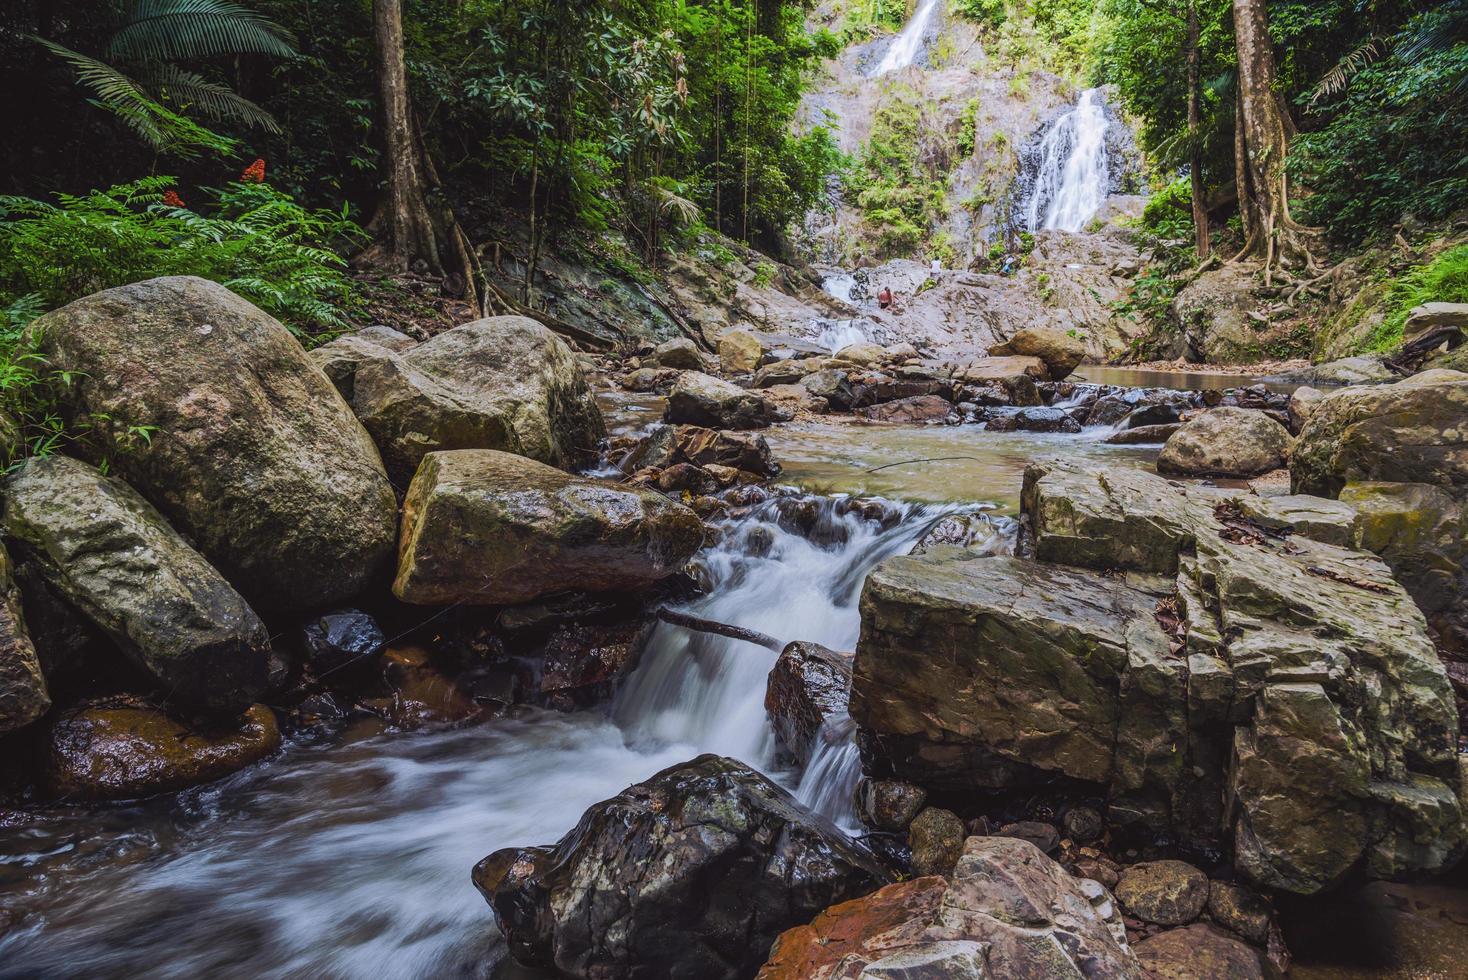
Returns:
(189, 90)
(182, 30)
(1338, 78)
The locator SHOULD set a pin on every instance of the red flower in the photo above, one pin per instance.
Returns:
(254, 173)
(172, 199)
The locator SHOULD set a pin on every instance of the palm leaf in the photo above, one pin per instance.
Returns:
(1338, 78)
(188, 90)
(176, 30)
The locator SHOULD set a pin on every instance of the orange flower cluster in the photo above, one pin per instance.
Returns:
(172, 199)
(254, 173)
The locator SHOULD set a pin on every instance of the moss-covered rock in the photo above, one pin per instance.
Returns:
(249, 449)
(491, 528)
(114, 557)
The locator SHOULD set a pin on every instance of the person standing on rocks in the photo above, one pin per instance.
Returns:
(884, 298)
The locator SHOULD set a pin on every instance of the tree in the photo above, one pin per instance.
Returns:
(1195, 145)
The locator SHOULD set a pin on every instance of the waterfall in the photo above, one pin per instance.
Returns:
(1073, 177)
(904, 49)
(836, 334)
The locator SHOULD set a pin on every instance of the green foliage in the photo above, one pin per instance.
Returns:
(1169, 212)
(764, 274)
(180, 30)
(1443, 280)
(986, 13)
(258, 242)
(899, 182)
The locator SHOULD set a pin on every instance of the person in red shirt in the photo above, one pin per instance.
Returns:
(884, 298)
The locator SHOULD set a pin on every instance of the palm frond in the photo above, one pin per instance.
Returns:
(1435, 31)
(683, 211)
(190, 91)
(174, 30)
(1338, 78)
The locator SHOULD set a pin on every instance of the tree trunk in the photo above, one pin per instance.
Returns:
(1262, 144)
(1195, 162)
(403, 223)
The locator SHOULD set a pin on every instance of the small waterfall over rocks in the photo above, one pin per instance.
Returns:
(1069, 167)
(906, 47)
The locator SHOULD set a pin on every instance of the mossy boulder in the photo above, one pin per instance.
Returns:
(113, 556)
(250, 450)
(491, 528)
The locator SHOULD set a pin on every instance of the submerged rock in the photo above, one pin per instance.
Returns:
(807, 686)
(702, 399)
(252, 453)
(1009, 912)
(1238, 442)
(491, 528)
(693, 873)
(1033, 420)
(122, 752)
(23, 693)
(503, 382)
(114, 557)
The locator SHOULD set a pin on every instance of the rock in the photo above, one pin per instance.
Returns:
(937, 837)
(1238, 442)
(1240, 909)
(488, 528)
(680, 353)
(342, 358)
(1144, 435)
(701, 399)
(861, 355)
(1361, 370)
(503, 382)
(649, 379)
(1445, 320)
(1169, 893)
(385, 336)
(1061, 352)
(1199, 952)
(692, 873)
(807, 686)
(740, 352)
(114, 557)
(1033, 420)
(889, 805)
(1212, 315)
(909, 411)
(1083, 824)
(122, 752)
(1041, 834)
(347, 639)
(687, 478)
(831, 385)
(747, 451)
(1302, 402)
(582, 664)
(976, 532)
(421, 694)
(1007, 904)
(1410, 432)
(794, 399)
(23, 693)
(658, 448)
(1317, 518)
(1005, 370)
(898, 353)
(788, 372)
(254, 456)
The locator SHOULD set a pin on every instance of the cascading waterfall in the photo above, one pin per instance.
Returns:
(904, 49)
(836, 334)
(1073, 177)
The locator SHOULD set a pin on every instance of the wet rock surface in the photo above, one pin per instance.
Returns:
(23, 693)
(344, 640)
(886, 804)
(1199, 952)
(253, 455)
(808, 686)
(693, 872)
(490, 528)
(937, 837)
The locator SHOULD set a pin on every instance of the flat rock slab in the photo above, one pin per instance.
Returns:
(491, 528)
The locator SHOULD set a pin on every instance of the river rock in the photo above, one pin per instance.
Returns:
(1037, 832)
(1413, 431)
(680, 353)
(702, 399)
(114, 557)
(1169, 893)
(936, 836)
(1083, 824)
(908, 411)
(740, 352)
(1317, 518)
(747, 451)
(581, 665)
(503, 382)
(1061, 352)
(691, 873)
(1240, 909)
(1199, 952)
(254, 456)
(340, 641)
(1144, 435)
(342, 358)
(807, 686)
(23, 693)
(1008, 907)
(787, 372)
(121, 751)
(1033, 420)
(1302, 403)
(863, 355)
(886, 804)
(833, 386)
(491, 528)
(1237, 442)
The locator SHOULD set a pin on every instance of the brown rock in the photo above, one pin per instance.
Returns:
(1169, 893)
(937, 837)
(1241, 909)
(1199, 952)
(920, 408)
(808, 685)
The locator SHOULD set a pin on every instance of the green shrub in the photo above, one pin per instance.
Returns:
(258, 242)
(1443, 280)
(1169, 213)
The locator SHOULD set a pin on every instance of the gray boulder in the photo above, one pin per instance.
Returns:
(1236, 442)
(702, 399)
(680, 353)
(491, 528)
(114, 557)
(23, 693)
(252, 453)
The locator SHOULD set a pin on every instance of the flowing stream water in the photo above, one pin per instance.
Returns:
(1073, 177)
(905, 48)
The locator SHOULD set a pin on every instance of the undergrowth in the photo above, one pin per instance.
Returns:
(1443, 280)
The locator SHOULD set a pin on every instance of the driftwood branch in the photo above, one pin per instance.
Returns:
(722, 629)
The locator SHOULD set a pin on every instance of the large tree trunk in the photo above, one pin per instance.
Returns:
(404, 225)
(1195, 162)
(1262, 144)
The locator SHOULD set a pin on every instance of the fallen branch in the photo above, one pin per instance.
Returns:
(904, 462)
(722, 629)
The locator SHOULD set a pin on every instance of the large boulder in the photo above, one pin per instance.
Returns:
(1236, 442)
(679, 353)
(740, 352)
(1169, 893)
(125, 751)
(1009, 912)
(1414, 431)
(250, 451)
(702, 399)
(491, 528)
(806, 688)
(1061, 352)
(23, 693)
(504, 382)
(692, 873)
(747, 451)
(114, 557)
(1212, 315)
(1200, 952)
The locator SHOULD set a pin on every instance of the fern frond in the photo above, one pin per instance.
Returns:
(1338, 78)
(189, 90)
(179, 30)
(683, 211)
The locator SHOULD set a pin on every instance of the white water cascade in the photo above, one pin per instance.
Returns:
(1073, 177)
(903, 51)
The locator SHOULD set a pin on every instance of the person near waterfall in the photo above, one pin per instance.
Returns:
(884, 298)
